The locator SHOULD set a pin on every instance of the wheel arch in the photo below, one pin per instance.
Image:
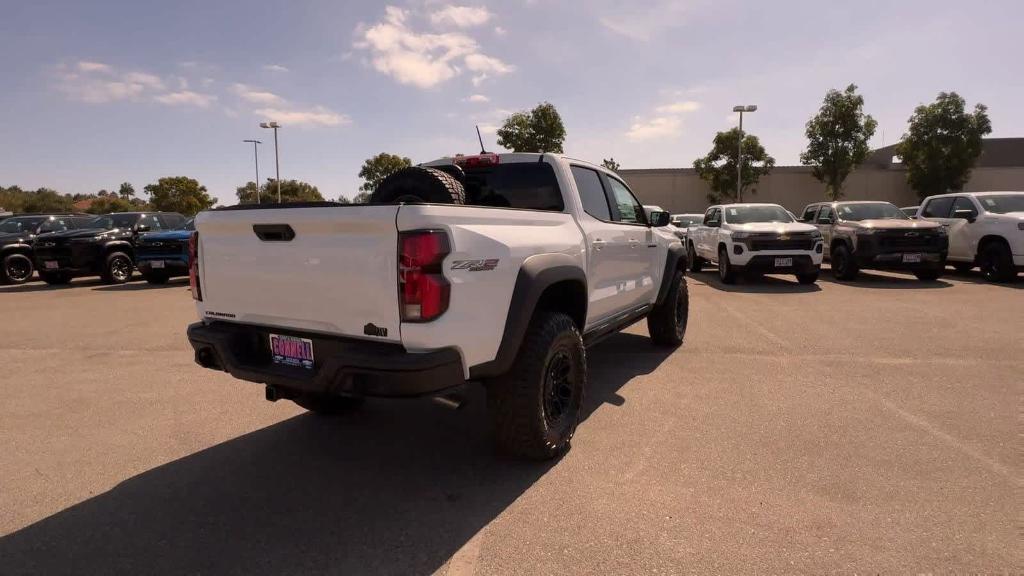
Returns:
(675, 259)
(989, 239)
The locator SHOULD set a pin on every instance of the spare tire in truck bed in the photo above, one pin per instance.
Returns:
(419, 184)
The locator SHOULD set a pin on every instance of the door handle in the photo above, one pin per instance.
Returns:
(598, 243)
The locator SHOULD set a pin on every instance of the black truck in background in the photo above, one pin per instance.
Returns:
(103, 246)
(18, 233)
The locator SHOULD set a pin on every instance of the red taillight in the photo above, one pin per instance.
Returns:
(193, 266)
(485, 159)
(422, 287)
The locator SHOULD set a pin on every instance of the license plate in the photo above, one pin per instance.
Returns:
(291, 351)
(911, 258)
(157, 263)
(783, 262)
(51, 264)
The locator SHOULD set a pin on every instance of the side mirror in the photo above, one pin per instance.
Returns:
(659, 219)
(968, 215)
(141, 228)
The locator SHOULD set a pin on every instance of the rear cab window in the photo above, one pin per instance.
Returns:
(937, 207)
(523, 185)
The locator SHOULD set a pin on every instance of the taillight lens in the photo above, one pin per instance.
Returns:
(485, 159)
(193, 266)
(422, 287)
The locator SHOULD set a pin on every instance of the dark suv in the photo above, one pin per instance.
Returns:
(17, 233)
(104, 246)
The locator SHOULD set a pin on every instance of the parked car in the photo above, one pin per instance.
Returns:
(160, 256)
(17, 235)
(910, 211)
(755, 239)
(104, 246)
(679, 223)
(986, 229)
(877, 235)
(328, 303)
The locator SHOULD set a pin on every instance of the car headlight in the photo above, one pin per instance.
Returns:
(740, 235)
(816, 234)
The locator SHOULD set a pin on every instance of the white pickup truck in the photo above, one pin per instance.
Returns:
(755, 239)
(495, 268)
(985, 229)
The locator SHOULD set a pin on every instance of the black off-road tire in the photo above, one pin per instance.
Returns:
(326, 405)
(536, 406)
(118, 268)
(419, 184)
(666, 323)
(996, 262)
(695, 262)
(726, 271)
(55, 278)
(843, 265)
(808, 278)
(17, 269)
(928, 274)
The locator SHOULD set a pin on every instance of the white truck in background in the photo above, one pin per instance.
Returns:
(755, 239)
(495, 268)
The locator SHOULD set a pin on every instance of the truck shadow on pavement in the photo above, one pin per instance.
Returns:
(140, 284)
(754, 285)
(397, 488)
(884, 281)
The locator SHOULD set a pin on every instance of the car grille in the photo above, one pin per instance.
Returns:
(790, 242)
(908, 240)
(162, 248)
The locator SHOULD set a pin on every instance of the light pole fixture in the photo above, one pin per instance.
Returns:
(256, 155)
(277, 163)
(739, 151)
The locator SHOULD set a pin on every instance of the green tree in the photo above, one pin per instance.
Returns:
(291, 191)
(539, 130)
(610, 164)
(718, 168)
(344, 199)
(838, 138)
(126, 191)
(943, 144)
(102, 193)
(112, 203)
(46, 200)
(361, 198)
(380, 167)
(179, 194)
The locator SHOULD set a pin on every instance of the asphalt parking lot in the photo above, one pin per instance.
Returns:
(863, 427)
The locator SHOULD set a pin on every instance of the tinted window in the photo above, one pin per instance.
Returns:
(152, 221)
(627, 208)
(809, 213)
(53, 225)
(171, 221)
(825, 214)
(16, 224)
(120, 221)
(528, 185)
(937, 208)
(591, 192)
(962, 203)
(711, 217)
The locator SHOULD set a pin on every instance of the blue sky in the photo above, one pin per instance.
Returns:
(99, 92)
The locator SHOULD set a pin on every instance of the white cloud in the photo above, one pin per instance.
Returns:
(255, 95)
(315, 116)
(186, 98)
(86, 66)
(275, 68)
(461, 16)
(150, 81)
(658, 127)
(498, 30)
(679, 107)
(422, 59)
(478, 98)
(642, 22)
(96, 83)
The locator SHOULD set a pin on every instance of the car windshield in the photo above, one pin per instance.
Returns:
(112, 221)
(751, 214)
(189, 224)
(15, 225)
(1003, 204)
(686, 221)
(870, 211)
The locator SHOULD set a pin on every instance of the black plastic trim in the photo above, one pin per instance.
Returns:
(672, 259)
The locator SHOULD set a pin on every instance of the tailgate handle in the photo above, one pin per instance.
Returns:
(274, 232)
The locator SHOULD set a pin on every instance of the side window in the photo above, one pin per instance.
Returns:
(151, 221)
(711, 217)
(809, 213)
(628, 210)
(825, 216)
(53, 225)
(588, 182)
(937, 208)
(964, 203)
(170, 221)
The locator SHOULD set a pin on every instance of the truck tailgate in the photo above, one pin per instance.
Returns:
(337, 275)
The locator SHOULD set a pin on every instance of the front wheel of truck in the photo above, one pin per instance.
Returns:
(536, 406)
(326, 405)
(666, 323)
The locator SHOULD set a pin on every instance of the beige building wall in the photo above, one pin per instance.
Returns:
(680, 190)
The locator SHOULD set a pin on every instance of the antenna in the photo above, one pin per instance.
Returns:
(481, 139)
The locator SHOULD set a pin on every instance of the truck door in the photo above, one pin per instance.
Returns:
(636, 257)
(962, 229)
(825, 221)
(708, 248)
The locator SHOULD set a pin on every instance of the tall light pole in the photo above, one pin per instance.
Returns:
(256, 154)
(739, 151)
(277, 163)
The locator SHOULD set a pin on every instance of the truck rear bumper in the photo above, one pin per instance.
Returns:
(342, 366)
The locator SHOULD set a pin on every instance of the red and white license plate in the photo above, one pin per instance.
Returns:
(911, 258)
(51, 264)
(783, 262)
(157, 264)
(291, 351)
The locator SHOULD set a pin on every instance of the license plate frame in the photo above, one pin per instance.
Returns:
(51, 265)
(157, 264)
(912, 258)
(784, 262)
(294, 351)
